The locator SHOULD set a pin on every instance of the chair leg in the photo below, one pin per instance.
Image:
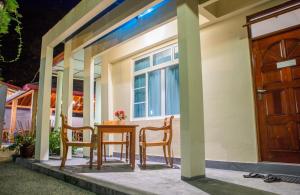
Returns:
(127, 146)
(141, 155)
(144, 157)
(104, 152)
(64, 157)
(91, 156)
(121, 156)
(169, 154)
(164, 148)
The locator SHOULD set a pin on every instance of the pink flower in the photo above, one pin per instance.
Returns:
(120, 114)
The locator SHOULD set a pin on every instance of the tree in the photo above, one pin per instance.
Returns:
(9, 14)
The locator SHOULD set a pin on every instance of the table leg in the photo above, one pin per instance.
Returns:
(130, 148)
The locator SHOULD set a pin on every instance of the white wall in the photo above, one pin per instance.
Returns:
(230, 130)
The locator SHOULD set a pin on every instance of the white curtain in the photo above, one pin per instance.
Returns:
(172, 90)
(154, 93)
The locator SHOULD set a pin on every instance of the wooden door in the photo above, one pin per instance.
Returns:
(276, 61)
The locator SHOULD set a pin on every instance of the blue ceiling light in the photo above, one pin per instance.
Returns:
(134, 22)
(150, 10)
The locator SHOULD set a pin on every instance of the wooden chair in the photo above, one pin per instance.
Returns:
(66, 142)
(122, 142)
(165, 143)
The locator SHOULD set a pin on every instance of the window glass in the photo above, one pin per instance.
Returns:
(161, 57)
(176, 54)
(142, 64)
(139, 110)
(154, 93)
(172, 90)
(139, 95)
(139, 81)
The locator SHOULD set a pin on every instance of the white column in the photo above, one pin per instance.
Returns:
(67, 99)
(43, 112)
(59, 82)
(3, 93)
(191, 91)
(106, 97)
(88, 96)
(34, 101)
(106, 90)
(98, 117)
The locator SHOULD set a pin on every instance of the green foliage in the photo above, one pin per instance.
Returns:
(4, 21)
(11, 147)
(22, 139)
(54, 142)
(8, 14)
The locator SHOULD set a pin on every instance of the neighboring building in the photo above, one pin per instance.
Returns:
(6, 90)
(21, 107)
(11, 89)
(146, 58)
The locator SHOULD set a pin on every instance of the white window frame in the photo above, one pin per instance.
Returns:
(152, 67)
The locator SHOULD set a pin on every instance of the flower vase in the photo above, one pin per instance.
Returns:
(120, 122)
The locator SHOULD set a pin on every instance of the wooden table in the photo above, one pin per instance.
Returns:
(101, 129)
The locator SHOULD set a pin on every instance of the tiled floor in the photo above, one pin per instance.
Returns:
(159, 179)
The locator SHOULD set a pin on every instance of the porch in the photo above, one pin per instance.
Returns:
(132, 63)
(118, 178)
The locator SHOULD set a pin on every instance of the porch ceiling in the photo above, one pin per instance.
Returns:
(78, 59)
(218, 10)
(210, 12)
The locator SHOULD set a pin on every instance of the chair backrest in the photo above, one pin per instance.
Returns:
(168, 124)
(64, 128)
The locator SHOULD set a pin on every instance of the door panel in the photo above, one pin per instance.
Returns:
(277, 79)
(292, 48)
(296, 73)
(272, 77)
(297, 99)
(276, 103)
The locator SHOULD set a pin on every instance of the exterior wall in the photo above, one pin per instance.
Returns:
(122, 77)
(230, 130)
(23, 116)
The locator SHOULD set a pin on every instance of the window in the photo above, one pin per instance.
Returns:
(161, 57)
(156, 84)
(176, 53)
(154, 93)
(172, 90)
(139, 95)
(142, 64)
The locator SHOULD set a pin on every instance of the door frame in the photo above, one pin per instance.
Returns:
(255, 18)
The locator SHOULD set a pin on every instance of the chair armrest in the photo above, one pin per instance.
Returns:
(155, 128)
(143, 131)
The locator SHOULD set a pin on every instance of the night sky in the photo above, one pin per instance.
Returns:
(38, 17)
